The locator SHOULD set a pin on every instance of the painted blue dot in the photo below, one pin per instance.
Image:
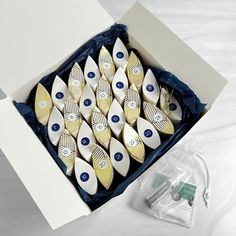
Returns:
(118, 156)
(172, 106)
(85, 141)
(59, 95)
(148, 133)
(150, 87)
(91, 74)
(115, 118)
(120, 85)
(87, 102)
(55, 127)
(120, 55)
(84, 176)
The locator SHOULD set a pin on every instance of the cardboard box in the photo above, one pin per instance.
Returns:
(55, 30)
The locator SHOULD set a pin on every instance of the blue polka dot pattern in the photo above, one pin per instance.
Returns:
(119, 55)
(87, 102)
(84, 176)
(120, 85)
(55, 127)
(148, 133)
(115, 118)
(85, 141)
(59, 95)
(118, 156)
(150, 87)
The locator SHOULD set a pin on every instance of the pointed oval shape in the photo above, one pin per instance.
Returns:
(148, 133)
(67, 151)
(106, 64)
(102, 166)
(116, 118)
(42, 105)
(104, 95)
(135, 71)
(85, 176)
(132, 105)
(59, 93)
(55, 126)
(170, 106)
(101, 128)
(133, 143)
(87, 102)
(76, 82)
(72, 115)
(120, 159)
(120, 85)
(120, 53)
(158, 118)
(91, 73)
(151, 91)
(85, 141)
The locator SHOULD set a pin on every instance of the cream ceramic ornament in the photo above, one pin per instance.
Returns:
(85, 141)
(120, 159)
(87, 102)
(67, 151)
(72, 115)
(158, 118)
(104, 95)
(102, 166)
(135, 71)
(150, 88)
(43, 104)
(116, 118)
(55, 126)
(148, 133)
(101, 128)
(132, 105)
(120, 54)
(170, 106)
(85, 176)
(76, 82)
(59, 93)
(91, 73)
(106, 64)
(120, 85)
(133, 143)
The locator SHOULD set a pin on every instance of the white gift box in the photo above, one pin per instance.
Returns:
(48, 32)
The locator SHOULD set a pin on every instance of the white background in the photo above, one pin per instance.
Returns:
(209, 27)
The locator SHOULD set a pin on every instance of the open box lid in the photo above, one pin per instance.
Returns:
(52, 192)
(36, 34)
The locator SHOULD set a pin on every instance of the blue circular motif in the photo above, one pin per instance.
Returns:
(55, 127)
(118, 156)
(120, 85)
(84, 176)
(172, 106)
(85, 141)
(150, 87)
(59, 95)
(87, 102)
(115, 118)
(91, 74)
(148, 133)
(120, 55)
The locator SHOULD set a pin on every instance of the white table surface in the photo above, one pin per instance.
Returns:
(209, 27)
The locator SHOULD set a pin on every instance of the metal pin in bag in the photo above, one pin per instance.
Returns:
(76, 82)
(43, 104)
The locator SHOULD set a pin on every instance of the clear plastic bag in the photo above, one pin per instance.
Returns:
(169, 189)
